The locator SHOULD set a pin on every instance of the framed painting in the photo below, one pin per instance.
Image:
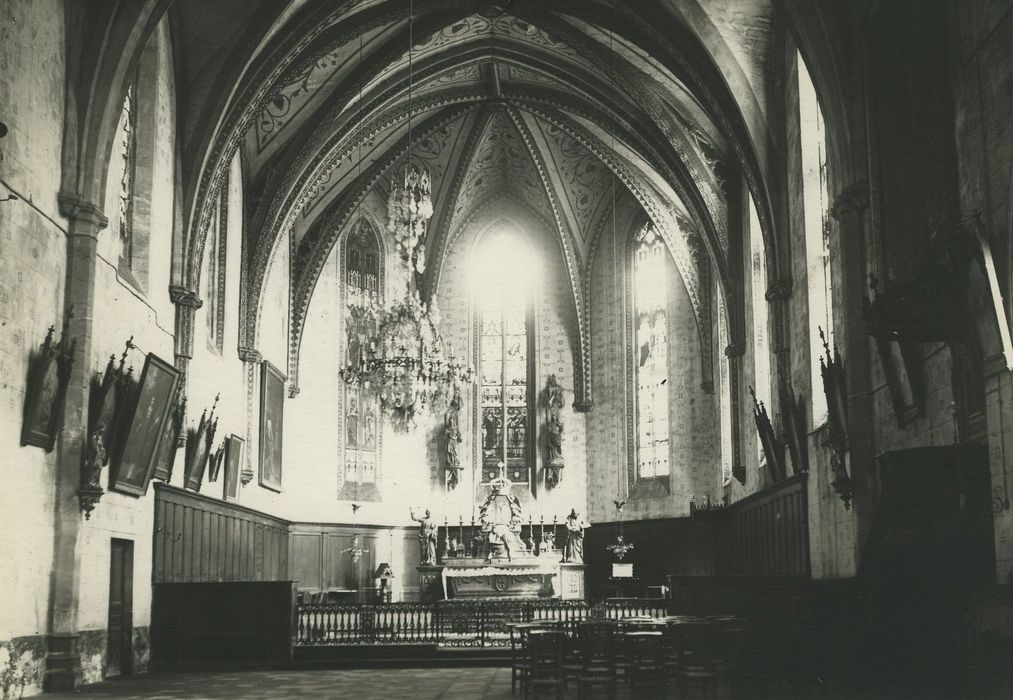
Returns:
(45, 390)
(165, 456)
(155, 392)
(233, 459)
(198, 448)
(272, 404)
(215, 462)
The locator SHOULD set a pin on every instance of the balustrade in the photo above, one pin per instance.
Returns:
(449, 622)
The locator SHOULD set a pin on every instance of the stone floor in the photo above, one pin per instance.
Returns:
(372, 684)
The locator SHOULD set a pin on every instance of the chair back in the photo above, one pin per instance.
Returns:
(596, 645)
(545, 653)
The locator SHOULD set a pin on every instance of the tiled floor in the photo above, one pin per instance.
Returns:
(373, 684)
(387, 684)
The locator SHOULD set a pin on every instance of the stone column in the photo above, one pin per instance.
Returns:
(734, 353)
(849, 209)
(63, 662)
(251, 360)
(187, 302)
(778, 296)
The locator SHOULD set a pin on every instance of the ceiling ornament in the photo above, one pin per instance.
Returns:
(394, 351)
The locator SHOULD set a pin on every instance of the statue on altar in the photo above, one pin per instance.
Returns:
(573, 552)
(501, 516)
(427, 537)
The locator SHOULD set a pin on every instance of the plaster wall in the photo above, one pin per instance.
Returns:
(694, 440)
(32, 270)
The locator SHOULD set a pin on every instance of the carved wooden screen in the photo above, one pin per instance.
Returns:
(361, 423)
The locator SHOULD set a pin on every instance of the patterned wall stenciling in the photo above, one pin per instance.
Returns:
(430, 147)
(528, 75)
(304, 83)
(478, 28)
(584, 177)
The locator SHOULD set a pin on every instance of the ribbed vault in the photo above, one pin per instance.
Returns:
(566, 107)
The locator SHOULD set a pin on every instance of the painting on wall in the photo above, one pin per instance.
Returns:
(45, 391)
(272, 403)
(165, 456)
(233, 457)
(198, 448)
(133, 470)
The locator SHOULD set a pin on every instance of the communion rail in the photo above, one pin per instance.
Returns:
(449, 623)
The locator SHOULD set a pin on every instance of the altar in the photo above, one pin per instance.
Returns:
(501, 557)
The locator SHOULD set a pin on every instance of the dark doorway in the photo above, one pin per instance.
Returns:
(120, 652)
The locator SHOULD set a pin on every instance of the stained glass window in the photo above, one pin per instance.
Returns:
(127, 152)
(650, 294)
(362, 285)
(504, 389)
(503, 294)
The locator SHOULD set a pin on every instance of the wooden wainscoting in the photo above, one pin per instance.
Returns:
(200, 539)
(766, 534)
(321, 560)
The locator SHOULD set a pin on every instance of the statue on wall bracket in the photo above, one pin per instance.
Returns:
(835, 387)
(452, 438)
(553, 432)
(46, 389)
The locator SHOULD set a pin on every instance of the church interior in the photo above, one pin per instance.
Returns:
(344, 333)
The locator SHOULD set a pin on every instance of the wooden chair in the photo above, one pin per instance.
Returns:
(643, 648)
(518, 650)
(597, 658)
(545, 663)
(698, 671)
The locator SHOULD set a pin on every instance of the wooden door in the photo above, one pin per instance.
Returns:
(119, 651)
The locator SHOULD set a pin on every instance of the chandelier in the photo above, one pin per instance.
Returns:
(397, 352)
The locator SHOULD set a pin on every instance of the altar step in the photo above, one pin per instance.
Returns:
(391, 656)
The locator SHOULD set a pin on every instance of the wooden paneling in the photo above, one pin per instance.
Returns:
(766, 534)
(209, 624)
(322, 560)
(663, 547)
(763, 535)
(199, 539)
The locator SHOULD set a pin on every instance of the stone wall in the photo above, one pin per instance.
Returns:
(32, 252)
(694, 455)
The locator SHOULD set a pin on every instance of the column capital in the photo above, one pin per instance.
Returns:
(80, 211)
(779, 290)
(735, 349)
(853, 199)
(181, 296)
(250, 355)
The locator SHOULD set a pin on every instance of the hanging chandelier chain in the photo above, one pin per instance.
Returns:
(395, 351)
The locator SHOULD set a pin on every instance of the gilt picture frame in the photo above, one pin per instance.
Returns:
(135, 464)
(272, 404)
(233, 460)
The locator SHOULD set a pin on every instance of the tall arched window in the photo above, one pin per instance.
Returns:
(816, 206)
(362, 285)
(503, 293)
(761, 339)
(651, 278)
(139, 138)
(128, 157)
